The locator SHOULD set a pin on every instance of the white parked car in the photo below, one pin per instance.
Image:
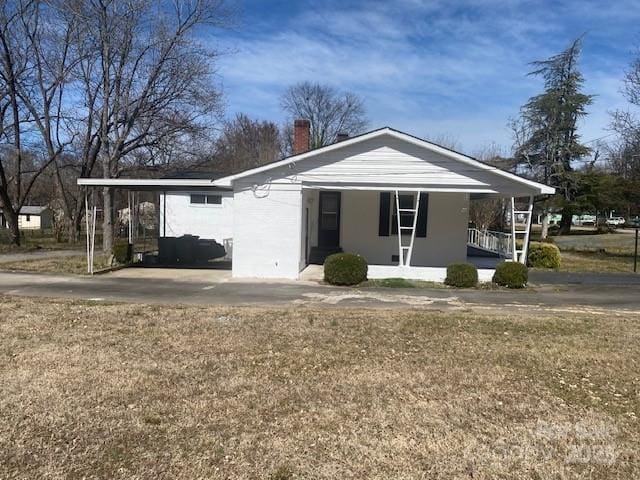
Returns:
(615, 221)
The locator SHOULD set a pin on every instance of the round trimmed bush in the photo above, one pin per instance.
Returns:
(462, 275)
(345, 269)
(511, 275)
(543, 255)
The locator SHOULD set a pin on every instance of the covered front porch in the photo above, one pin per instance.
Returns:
(433, 225)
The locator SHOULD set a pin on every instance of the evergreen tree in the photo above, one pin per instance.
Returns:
(548, 140)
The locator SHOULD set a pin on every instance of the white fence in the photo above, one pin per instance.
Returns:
(496, 242)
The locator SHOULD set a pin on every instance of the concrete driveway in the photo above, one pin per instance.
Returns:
(549, 277)
(121, 287)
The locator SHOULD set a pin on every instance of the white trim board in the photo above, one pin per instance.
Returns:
(149, 182)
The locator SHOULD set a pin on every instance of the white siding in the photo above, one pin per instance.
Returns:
(267, 229)
(33, 222)
(387, 160)
(446, 239)
(206, 221)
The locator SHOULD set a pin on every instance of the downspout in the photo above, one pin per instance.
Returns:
(164, 214)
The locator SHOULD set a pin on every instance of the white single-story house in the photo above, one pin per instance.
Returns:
(31, 217)
(399, 201)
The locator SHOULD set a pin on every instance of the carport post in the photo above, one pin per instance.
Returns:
(130, 217)
(86, 217)
(91, 233)
(635, 254)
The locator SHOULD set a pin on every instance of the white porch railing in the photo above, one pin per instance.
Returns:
(495, 242)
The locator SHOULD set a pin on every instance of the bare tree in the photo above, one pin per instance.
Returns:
(146, 80)
(330, 111)
(446, 140)
(624, 153)
(246, 143)
(34, 68)
(488, 213)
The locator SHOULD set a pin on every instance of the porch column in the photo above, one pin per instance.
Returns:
(521, 255)
(408, 248)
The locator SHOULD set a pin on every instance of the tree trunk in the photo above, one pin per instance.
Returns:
(545, 225)
(565, 222)
(75, 227)
(107, 220)
(12, 222)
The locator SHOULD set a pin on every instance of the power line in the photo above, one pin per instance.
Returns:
(600, 138)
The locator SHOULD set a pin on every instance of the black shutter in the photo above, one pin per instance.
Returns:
(423, 209)
(385, 208)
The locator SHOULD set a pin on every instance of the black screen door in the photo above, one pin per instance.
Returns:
(329, 221)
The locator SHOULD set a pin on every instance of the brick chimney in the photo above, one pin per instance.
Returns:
(341, 137)
(301, 136)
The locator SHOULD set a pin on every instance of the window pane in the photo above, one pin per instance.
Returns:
(330, 204)
(214, 199)
(407, 201)
(329, 221)
(406, 219)
(197, 198)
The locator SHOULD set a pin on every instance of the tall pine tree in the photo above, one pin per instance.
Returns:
(548, 142)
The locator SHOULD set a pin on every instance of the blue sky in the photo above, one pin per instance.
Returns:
(435, 69)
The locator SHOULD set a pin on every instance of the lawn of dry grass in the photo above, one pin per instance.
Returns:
(621, 243)
(32, 240)
(133, 391)
(595, 262)
(611, 252)
(67, 264)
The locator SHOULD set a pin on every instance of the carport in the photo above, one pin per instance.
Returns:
(133, 187)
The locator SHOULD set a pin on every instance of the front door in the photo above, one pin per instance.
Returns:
(329, 221)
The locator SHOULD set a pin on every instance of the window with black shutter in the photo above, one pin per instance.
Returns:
(385, 210)
(388, 220)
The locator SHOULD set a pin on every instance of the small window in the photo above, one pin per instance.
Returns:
(28, 218)
(388, 220)
(407, 202)
(198, 199)
(214, 200)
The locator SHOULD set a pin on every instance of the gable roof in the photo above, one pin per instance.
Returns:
(452, 154)
(32, 210)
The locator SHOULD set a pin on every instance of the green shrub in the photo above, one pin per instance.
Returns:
(462, 275)
(121, 252)
(345, 269)
(543, 255)
(511, 275)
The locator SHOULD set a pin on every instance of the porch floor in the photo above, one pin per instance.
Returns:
(486, 267)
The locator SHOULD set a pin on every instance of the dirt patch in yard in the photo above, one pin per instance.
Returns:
(122, 391)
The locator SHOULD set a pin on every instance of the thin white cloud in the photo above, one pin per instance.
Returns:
(426, 67)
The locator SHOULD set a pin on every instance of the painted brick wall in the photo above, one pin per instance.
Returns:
(206, 221)
(267, 230)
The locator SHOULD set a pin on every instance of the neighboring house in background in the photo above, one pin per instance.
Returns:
(354, 195)
(31, 217)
